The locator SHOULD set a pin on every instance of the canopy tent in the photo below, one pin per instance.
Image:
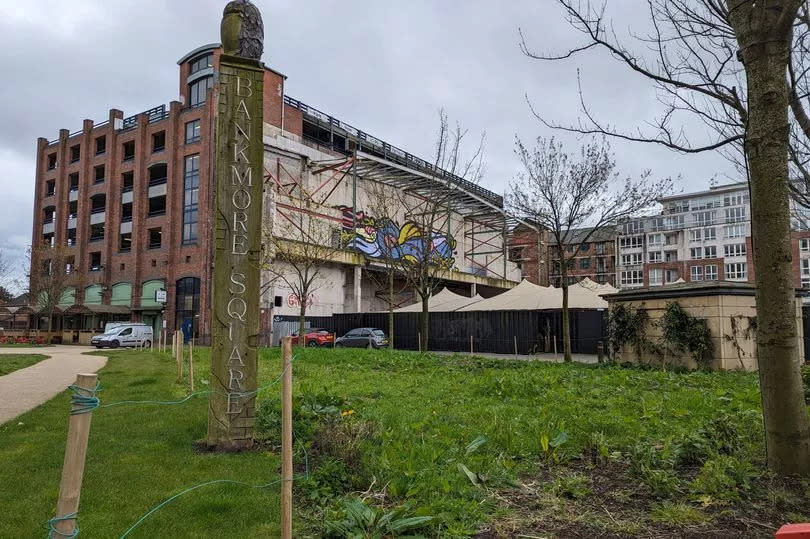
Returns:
(444, 301)
(530, 297)
(597, 287)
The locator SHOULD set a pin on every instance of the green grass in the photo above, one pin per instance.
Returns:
(12, 362)
(445, 434)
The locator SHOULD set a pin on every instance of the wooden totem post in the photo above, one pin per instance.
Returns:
(239, 166)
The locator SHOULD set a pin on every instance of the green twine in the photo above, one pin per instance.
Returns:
(190, 489)
(84, 403)
(181, 401)
(53, 532)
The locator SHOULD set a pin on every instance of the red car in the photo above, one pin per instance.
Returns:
(316, 337)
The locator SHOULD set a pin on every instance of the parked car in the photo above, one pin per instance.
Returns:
(316, 337)
(363, 338)
(124, 335)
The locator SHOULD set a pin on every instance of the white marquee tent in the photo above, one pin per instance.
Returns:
(444, 301)
(529, 297)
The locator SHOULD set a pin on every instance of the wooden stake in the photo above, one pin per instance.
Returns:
(471, 344)
(516, 346)
(286, 439)
(420, 341)
(70, 487)
(179, 356)
(555, 346)
(191, 364)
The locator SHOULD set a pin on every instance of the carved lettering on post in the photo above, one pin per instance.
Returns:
(237, 222)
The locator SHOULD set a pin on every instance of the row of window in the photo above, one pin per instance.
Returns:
(192, 135)
(734, 271)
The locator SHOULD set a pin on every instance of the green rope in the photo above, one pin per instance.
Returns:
(86, 402)
(190, 489)
(53, 532)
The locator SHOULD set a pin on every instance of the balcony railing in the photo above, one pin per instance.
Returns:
(157, 181)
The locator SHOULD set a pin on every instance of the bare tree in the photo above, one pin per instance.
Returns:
(50, 276)
(297, 246)
(737, 66)
(5, 279)
(563, 192)
(425, 251)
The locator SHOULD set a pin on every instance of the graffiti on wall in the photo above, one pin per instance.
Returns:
(379, 238)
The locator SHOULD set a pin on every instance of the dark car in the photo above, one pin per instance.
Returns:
(363, 338)
(316, 337)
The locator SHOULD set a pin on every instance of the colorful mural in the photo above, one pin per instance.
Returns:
(378, 238)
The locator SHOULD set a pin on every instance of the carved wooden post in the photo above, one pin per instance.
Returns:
(239, 158)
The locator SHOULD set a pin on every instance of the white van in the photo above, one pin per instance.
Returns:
(124, 335)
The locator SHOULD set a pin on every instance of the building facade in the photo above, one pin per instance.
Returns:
(130, 200)
(596, 259)
(700, 236)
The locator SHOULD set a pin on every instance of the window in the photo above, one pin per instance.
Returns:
(187, 302)
(656, 277)
(49, 215)
(697, 273)
(710, 251)
(679, 207)
(158, 174)
(704, 218)
(155, 237)
(734, 231)
(277, 301)
(191, 188)
(571, 248)
(633, 227)
(70, 265)
(696, 253)
(656, 256)
(696, 234)
(585, 247)
(198, 64)
(98, 176)
(804, 245)
(129, 150)
(197, 91)
(600, 248)
(670, 256)
(101, 145)
(95, 261)
(73, 208)
(704, 203)
(805, 273)
(734, 200)
(125, 242)
(193, 131)
(735, 249)
(710, 272)
(157, 206)
(656, 223)
(73, 181)
(71, 237)
(98, 203)
(633, 259)
(633, 277)
(158, 142)
(735, 215)
(671, 239)
(48, 240)
(126, 212)
(97, 232)
(50, 188)
(675, 221)
(709, 234)
(655, 239)
(630, 242)
(52, 161)
(75, 153)
(672, 275)
(127, 181)
(585, 263)
(736, 271)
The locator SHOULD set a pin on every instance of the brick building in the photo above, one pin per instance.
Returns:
(130, 198)
(595, 260)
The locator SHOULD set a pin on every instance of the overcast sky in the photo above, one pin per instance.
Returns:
(383, 67)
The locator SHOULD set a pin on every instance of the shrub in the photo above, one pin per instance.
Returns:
(687, 333)
(363, 521)
(723, 479)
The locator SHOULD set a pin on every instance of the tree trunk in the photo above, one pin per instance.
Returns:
(302, 324)
(566, 326)
(765, 52)
(390, 310)
(425, 321)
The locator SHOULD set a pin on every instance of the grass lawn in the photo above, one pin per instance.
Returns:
(488, 447)
(12, 362)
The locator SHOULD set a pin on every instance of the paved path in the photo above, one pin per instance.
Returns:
(27, 388)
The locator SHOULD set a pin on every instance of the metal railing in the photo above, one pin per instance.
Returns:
(377, 146)
(155, 114)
